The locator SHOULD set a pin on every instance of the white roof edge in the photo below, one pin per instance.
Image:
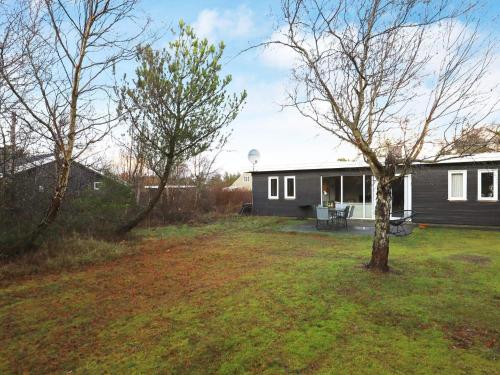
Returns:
(47, 160)
(34, 164)
(474, 158)
(450, 159)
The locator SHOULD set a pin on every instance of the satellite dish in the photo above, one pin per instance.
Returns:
(253, 157)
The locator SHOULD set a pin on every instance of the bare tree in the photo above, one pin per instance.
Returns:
(399, 80)
(132, 166)
(203, 168)
(480, 139)
(54, 57)
(13, 136)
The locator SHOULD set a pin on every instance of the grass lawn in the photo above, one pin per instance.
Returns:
(240, 296)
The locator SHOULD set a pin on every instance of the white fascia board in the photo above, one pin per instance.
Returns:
(450, 159)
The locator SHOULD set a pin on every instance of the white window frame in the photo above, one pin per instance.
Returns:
(269, 179)
(463, 172)
(97, 185)
(287, 196)
(495, 185)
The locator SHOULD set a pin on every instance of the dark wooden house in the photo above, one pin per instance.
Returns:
(37, 173)
(460, 191)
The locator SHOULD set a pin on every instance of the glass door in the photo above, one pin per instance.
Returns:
(401, 196)
(357, 191)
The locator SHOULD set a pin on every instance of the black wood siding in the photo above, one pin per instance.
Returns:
(429, 194)
(81, 178)
(307, 191)
(430, 197)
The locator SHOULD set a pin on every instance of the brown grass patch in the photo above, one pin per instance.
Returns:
(471, 258)
(465, 337)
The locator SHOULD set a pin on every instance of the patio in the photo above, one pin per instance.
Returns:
(355, 227)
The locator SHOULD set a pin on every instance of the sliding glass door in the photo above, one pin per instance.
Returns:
(401, 196)
(353, 195)
(357, 191)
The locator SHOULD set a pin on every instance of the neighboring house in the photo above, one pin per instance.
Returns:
(461, 191)
(243, 182)
(147, 186)
(37, 174)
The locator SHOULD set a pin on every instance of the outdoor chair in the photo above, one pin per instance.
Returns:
(400, 225)
(345, 215)
(322, 216)
(246, 209)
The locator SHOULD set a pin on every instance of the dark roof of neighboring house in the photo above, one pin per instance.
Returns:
(27, 162)
(32, 160)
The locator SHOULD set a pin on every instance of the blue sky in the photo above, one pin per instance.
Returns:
(282, 137)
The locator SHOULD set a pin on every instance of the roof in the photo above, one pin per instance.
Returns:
(34, 161)
(449, 159)
(170, 186)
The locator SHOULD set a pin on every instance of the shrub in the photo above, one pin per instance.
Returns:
(96, 212)
(90, 212)
(65, 253)
(190, 204)
(230, 201)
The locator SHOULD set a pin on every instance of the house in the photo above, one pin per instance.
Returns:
(460, 191)
(243, 182)
(37, 173)
(147, 186)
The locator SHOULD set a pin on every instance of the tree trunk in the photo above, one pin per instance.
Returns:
(55, 205)
(380, 248)
(127, 227)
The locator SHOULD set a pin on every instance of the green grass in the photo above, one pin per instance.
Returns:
(65, 254)
(240, 296)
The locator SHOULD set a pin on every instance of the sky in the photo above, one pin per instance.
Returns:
(283, 137)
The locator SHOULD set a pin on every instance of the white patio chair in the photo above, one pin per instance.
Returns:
(322, 215)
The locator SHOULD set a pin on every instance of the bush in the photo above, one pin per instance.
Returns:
(230, 201)
(65, 253)
(189, 204)
(96, 212)
(90, 212)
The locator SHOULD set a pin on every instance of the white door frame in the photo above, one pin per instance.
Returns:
(374, 195)
(406, 194)
(321, 190)
(366, 213)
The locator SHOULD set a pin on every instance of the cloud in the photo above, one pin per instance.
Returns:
(283, 137)
(279, 56)
(229, 24)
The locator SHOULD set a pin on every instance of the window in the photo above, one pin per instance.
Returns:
(368, 209)
(487, 184)
(457, 185)
(97, 185)
(352, 194)
(332, 190)
(355, 191)
(246, 178)
(290, 187)
(272, 188)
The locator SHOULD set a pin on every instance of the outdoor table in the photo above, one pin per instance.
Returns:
(335, 212)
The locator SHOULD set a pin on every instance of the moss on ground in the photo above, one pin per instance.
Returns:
(240, 296)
